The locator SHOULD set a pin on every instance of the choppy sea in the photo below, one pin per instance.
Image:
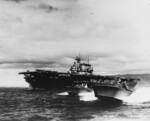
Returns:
(21, 104)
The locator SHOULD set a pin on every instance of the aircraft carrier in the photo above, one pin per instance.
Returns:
(79, 75)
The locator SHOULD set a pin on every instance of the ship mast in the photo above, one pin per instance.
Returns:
(88, 59)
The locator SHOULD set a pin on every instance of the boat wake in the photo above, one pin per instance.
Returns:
(141, 95)
(83, 96)
(62, 93)
(87, 96)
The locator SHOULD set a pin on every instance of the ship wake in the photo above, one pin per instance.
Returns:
(141, 95)
(62, 93)
(87, 96)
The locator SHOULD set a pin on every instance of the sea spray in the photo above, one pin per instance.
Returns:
(141, 95)
(63, 93)
(87, 96)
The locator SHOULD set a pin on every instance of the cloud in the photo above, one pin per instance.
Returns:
(17, 1)
(38, 34)
(44, 7)
(48, 8)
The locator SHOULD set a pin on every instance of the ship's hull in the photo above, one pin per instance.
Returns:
(48, 83)
(49, 80)
(54, 80)
(110, 92)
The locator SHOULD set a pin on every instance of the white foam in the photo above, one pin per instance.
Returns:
(63, 93)
(87, 96)
(141, 95)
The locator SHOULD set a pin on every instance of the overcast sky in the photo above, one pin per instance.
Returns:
(115, 34)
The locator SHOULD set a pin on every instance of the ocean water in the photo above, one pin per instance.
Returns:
(21, 104)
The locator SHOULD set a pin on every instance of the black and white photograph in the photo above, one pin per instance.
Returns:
(74, 60)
